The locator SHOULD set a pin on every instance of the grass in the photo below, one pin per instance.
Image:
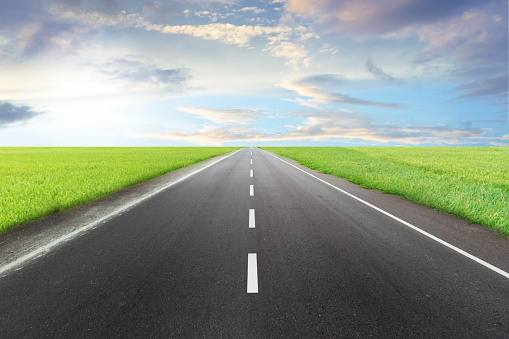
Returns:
(470, 182)
(35, 182)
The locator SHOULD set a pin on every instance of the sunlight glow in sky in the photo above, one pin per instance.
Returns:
(253, 73)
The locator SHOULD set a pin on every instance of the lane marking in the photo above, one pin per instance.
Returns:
(460, 251)
(252, 273)
(251, 190)
(251, 161)
(48, 247)
(251, 152)
(251, 218)
(251, 173)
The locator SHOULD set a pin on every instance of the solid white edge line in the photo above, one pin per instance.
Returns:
(48, 247)
(252, 273)
(466, 254)
(251, 218)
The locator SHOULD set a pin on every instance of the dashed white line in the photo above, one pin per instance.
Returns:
(251, 173)
(460, 251)
(251, 190)
(252, 273)
(251, 161)
(251, 218)
(251, 152)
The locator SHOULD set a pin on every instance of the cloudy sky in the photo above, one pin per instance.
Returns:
(253, 73)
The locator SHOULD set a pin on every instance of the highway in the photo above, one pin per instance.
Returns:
(255, 247)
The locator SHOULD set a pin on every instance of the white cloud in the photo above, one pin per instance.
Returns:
(296, 55)
(320, 96)
(225, 33)
(306, 36)
(254, 10)
(327, 48)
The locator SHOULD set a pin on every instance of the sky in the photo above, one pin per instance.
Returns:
(253, 73)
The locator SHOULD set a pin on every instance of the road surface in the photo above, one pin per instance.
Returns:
(253, 247)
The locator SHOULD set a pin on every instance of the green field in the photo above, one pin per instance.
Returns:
(470, 182)
(37, 181)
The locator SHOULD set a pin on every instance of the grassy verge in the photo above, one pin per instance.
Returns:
(470, 182)
(35, 182)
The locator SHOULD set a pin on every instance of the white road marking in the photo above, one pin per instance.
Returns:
(460, 251)
(251, 218)
(251, 173)
(46, 248)
(252, 273)
(251, 152)
(251, 161)
(251, 190)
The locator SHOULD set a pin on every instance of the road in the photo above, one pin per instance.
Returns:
(321, 264)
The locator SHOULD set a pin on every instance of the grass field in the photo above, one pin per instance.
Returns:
(470, 182)
(35, 182)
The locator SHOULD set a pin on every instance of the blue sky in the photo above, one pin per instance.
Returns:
(267, 72)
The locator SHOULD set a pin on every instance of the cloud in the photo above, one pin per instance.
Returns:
(327, 48)
(323, 80)
(225, 33)
(496, 88)
(296, 55)
(252, 9)
(11, 114)
(241, 35)
(458, 33)
(323, 125)
(377, 72)
(138, 74)
(235, 115)
(337, 125)
(32, 30)
(104, 6)
(209, 134)
(378, 17)
(156, 9)
(475, 37)
(308, 87)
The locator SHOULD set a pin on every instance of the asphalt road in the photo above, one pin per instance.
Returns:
(326, 265)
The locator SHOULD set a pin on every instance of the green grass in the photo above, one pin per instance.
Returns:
(470, 182)
(37, 181)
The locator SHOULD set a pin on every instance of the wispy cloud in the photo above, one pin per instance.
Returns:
(156, 9)
(11, 114)
(337, 125)
(309, 89)
(485, 88)
(142, 74)
(378, 73)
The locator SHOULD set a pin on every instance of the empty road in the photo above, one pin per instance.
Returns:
(253, 247)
